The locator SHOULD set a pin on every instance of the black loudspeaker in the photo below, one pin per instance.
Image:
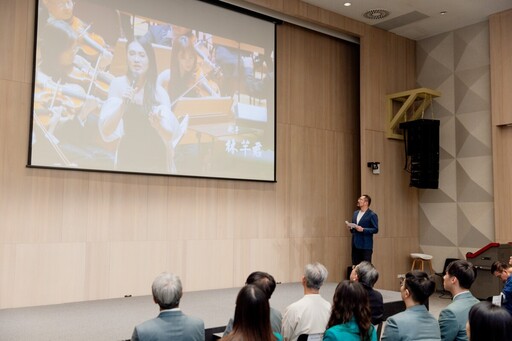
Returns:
(422, 152)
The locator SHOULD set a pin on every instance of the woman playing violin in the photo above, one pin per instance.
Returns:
(186, 77)
(137, 113)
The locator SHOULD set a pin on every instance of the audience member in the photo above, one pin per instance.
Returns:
(310, 314)
(350, 317)
(366, 274)
(415, 323)
(252, 317)
(171, 324)
(458, 278)
(504, 272)
(267, 284)
(488, 322)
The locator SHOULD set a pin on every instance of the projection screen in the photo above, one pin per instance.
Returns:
(174, 87)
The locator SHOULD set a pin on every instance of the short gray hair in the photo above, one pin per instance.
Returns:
(367, 274)
(167, 290)
(315, 275)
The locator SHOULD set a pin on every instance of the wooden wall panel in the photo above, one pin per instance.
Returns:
(500, 27)
(100, 235)
(500, 35)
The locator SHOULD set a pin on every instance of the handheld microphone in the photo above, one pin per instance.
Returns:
(135, 77)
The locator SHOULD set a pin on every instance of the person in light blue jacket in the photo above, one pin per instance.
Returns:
(350, 315)
(415, 323)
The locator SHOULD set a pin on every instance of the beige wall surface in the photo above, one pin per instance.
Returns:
(72, 236)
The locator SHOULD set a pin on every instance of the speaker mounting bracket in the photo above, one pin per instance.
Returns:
(407, 106)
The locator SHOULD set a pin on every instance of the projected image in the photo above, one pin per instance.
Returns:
(170, 87)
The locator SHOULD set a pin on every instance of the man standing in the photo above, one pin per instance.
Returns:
(171, 324)
(310, 314)
(452, 320)
(504, 272)
(365, 223)
(366, 274)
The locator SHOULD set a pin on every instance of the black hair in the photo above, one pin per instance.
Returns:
(488, 322)
(264, 281)
(420, 285)
(463, 271)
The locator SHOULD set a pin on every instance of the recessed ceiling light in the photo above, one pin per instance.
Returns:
(443, 12)
(346, 4)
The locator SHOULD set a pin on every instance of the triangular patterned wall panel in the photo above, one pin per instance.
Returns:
(458, 217)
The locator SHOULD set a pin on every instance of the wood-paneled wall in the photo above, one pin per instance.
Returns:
(71, 236)
(500, 30)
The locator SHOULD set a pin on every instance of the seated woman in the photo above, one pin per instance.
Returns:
(252, 317)
(415, 323)
(350, 317)
(488, 322)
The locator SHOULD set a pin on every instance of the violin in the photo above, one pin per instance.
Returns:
(206, 87)
(91, 44)
(84, 73)
(69, 98)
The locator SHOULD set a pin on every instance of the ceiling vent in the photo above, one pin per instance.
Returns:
(376, 14)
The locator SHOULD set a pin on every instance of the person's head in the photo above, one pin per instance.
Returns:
(488, 322)
(184, 56)
(264, 281)
(60, 9)
(314, 276)
(58, 49)
(167, 290)
(252, 315)
(141, 63)
(351, 300)
(459, 273)
(500, 270)
(364, 201)
(141, 59)
(365, 273)
(417, 286)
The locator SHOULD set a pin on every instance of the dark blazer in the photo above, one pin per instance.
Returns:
(370, 222)
(376, 304)
(170, 326)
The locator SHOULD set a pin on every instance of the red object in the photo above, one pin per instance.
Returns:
(482, 250)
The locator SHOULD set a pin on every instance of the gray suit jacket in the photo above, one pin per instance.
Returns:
(415, 323)
(170, 326)
(453, 318)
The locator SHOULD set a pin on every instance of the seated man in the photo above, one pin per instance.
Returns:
(267, 284)
(504, 272)
(171, 324)
(415, 323)
(366, 274)
(452, 319)
(310, 314)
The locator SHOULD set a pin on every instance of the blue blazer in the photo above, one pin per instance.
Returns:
(170, 325)
(370, 222)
